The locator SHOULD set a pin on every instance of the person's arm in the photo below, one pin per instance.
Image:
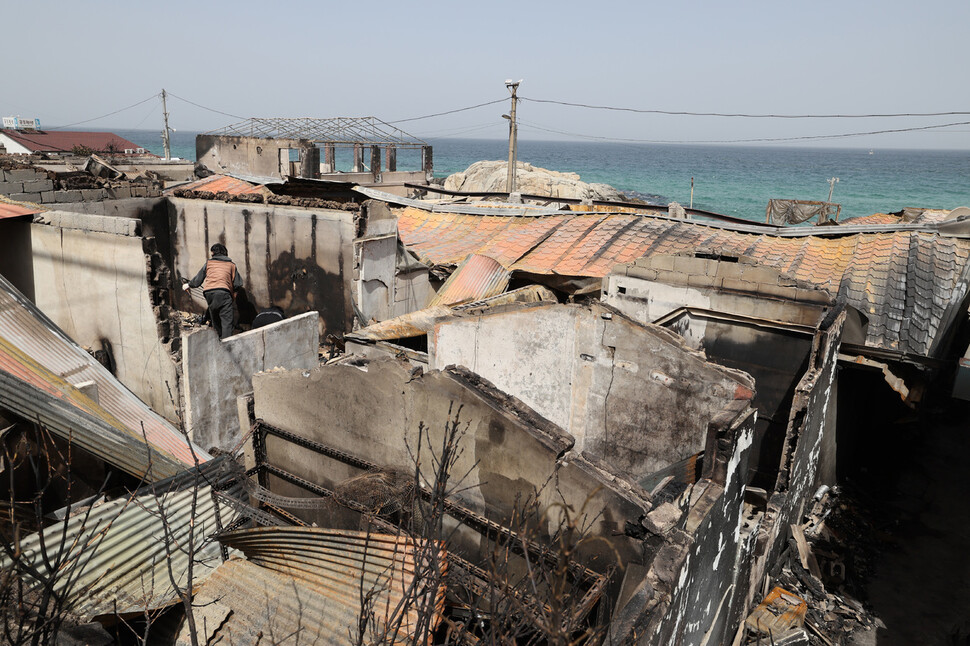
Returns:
(197, 281)
(237, 281)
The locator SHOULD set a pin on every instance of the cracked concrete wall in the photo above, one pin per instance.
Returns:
(98, 287)
(215, 372)
(632, 395)
(298, 259)
(373, 410)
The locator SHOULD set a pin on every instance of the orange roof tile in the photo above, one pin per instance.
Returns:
(887, 276)
(221, 184)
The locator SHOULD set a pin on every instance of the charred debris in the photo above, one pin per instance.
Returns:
(475, 421)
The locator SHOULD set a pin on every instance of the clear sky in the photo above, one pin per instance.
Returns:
(66, 62)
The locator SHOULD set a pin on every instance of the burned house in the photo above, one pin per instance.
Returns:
(362, 150)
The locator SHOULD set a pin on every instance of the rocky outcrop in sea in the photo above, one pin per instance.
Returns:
(491, 176)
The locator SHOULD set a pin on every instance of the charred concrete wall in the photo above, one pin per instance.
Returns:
(373, 410)
(252, 156)
(691, 593)
(215, 372)
(298, 259)
(388, 280)
(654, 286)
(635, 396)
(811, 427)
(97, 279)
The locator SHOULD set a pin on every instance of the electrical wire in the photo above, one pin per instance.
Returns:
(439, 114)
(451, 132)
(746, 115)
(743, 141)
(150, 113)
(134, 105)
(175, 96)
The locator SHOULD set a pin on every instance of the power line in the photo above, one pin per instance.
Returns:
(110, 114)
(745, 141)
(439, 114)
(748, 116)
(234, 116)
(451, 132)
(150, 113)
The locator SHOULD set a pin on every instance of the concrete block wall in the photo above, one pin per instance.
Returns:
(39, 187)
(25, 184)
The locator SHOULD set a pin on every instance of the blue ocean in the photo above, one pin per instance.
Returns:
(734, 180)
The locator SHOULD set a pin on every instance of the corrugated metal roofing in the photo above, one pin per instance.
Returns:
(116, 557)
(63, 141)
(308, 581)
(421, 322)
(35, 351)
(907, 281)
(8, 210)
(476, 278)
(220, 184)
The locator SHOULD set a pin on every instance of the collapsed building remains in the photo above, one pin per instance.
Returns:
(472, 419)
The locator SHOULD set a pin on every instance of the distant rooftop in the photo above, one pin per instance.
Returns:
(64, 141)
(338, 130)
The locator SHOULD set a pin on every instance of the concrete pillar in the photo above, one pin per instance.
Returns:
(329, 159)
(427, 162)
(310, 162)
(375, 162)
(391, 153)
(358, 159)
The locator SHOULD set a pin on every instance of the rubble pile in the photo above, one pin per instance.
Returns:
(826, 563)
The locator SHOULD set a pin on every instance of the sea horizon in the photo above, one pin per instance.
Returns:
(734, 179)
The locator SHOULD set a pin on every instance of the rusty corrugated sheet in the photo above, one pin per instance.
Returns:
(308, 581)
(476, 278)
(219, 184)
(405, 326)
(907, 282)
(8, 210)
(421, 322)
(116, 557)
(36, 394)
(35, 350)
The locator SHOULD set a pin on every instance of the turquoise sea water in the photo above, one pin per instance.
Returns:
(735, 180)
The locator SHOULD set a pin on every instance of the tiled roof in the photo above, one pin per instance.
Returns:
(907, 282)
(220, 184)
(59, 141)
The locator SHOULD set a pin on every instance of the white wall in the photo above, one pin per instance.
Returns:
(13, 148)
(94, 286)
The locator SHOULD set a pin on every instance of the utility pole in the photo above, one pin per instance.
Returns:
(165, 139)
(513, 135)
(832, 183)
